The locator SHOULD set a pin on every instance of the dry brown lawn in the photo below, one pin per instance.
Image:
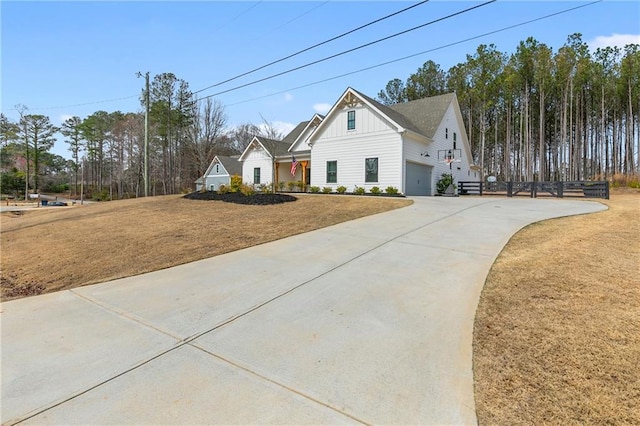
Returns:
(557, 332)
(52, 249)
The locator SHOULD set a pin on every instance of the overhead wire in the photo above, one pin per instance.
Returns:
(415, 54)
(306, 49)
(349, 50)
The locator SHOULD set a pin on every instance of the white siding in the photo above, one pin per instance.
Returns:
(372, 138)
(414, 150)
(302, 144)
(461, 171)
(257, 158)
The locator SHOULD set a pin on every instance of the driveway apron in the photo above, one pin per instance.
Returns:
(369, 321)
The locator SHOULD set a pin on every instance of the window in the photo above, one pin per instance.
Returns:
(371, 170)
(351, 120)
(446, 133)
(454, 140)
(217, 168)
(256, 175)
(332, 171)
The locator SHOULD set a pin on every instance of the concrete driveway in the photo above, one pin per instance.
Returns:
(369, 321)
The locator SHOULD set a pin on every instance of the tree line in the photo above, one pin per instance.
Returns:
(537, 114)
(107, 148)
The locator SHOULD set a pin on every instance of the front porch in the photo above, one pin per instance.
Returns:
(299, 180)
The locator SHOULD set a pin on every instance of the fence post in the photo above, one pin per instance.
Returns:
(606, 190)
(481, 185)
(510, 188)
(560, 191)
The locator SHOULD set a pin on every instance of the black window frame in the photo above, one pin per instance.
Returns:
(369, 176)
(351, 119)
(256, 174)
(332, 175)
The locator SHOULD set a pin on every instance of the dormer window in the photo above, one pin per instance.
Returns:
(351, 120)
(217, 168)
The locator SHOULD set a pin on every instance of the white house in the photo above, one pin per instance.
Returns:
(262, 154)
(362, 143)
(219, 173)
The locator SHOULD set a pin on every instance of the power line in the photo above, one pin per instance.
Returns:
(312, 47)
(415, 54)
(348, 51)
(83, 104)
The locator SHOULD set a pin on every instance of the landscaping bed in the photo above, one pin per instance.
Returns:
(240, 198)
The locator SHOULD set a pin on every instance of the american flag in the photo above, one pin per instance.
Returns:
(294, 165)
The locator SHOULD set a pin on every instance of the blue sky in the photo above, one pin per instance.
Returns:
(67, 58)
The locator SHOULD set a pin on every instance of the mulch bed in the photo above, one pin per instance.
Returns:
(240, 198)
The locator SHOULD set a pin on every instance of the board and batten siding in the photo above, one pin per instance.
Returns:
(372, 138)
(415, 151)
(257, 158)
(461, 171)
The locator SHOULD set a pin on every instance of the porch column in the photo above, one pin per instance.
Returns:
(275, 184)
(304, 172)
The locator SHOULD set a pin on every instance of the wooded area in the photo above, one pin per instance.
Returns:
(540, 115)
(531, 115)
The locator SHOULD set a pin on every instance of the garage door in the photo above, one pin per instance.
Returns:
(418, 179)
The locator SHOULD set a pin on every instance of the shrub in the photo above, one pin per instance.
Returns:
(291, 185)
(341, 189)
(100, 196)
(445, 180)
(236, 183)
(314, 189)
(300, 185)
(223, 189)
(265, 189)
(358, 190)
(281, 186)
(327, 190)
(391, 190)
(375, 190)
(247, 189)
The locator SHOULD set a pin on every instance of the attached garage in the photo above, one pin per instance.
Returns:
(418, 179)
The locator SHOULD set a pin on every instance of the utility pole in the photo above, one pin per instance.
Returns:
(146, 132)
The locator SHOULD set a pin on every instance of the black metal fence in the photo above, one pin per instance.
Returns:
(557, 189)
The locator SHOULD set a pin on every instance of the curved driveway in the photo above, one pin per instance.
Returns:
(369, 321)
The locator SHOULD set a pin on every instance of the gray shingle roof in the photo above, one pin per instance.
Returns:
(274, 147)
(293, 135)
(421, 116)
(232, 165)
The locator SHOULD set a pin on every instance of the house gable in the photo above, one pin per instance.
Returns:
(367, 112)
(300, 143)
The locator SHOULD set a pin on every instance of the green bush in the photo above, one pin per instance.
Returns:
(375, 190)
(236, 183)
(341, 189)
(327, 190)
(358, 190)
(223, 189)
(314, 189)
(391, 190)
(100, 196)
(291, 185)
(281, 186)
(445, 180)
(300, 185)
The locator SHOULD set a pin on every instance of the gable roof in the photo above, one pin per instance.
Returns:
(425, 114)
(271, 146)
(293, 135)
(315, 120)
(421, 116)
(231, 164)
